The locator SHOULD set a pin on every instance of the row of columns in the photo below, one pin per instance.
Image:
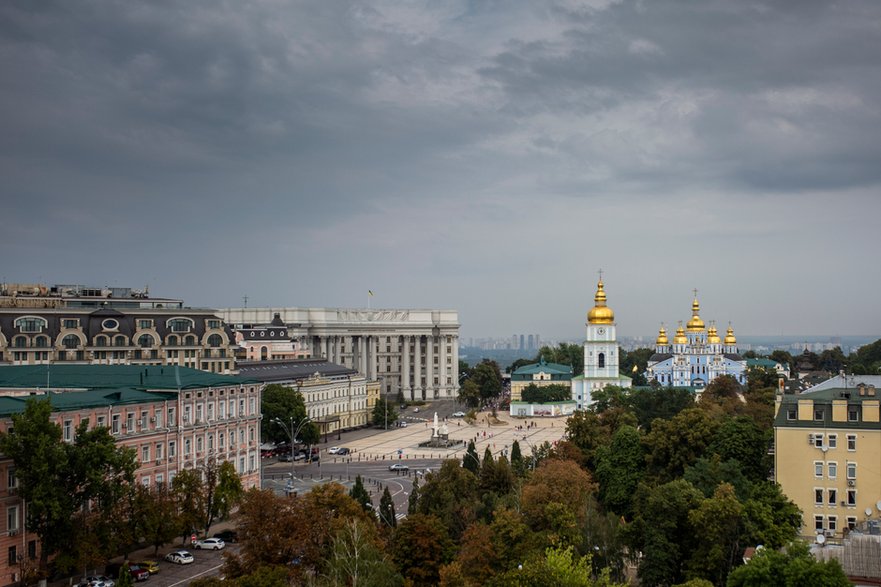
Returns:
(362, 351)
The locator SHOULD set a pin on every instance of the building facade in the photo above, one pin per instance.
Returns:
(336, 398)
(600, 353)
(697, 355)
(270, 342)
(411, 352)
(539, 374)
(827, 447)
(174, 418)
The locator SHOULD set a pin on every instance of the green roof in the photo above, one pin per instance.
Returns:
(561, 371)
(57, 376)
(761, 363)
(81, 400)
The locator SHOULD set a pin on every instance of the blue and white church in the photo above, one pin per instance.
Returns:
(600, 353)
(697, 355)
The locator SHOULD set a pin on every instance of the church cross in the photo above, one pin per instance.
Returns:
(695, 292)
(601, 274)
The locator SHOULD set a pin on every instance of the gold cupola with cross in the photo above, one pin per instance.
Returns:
(600, 313)
(695, 324)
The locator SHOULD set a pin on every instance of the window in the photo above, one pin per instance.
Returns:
(190, 340)
(215, 340)
(818, 414)
(818, 440)
(11, 481)
(818, 469)
(851, 523)
(172, 449)
(114, 424)
(68, 430)
(32, 549)
(180, 324)
(853, 413)
(30, 324)
(188, 412)
(199, 444)
(70, 323)
(222, 409)
(832, 523)
(232, 408)
(12, 556)
(145, 453)
(214, 323)
(130, 421)
(851, 497)
(220, 436)
(210, 411)
(110, 324)
(851, 442)
(252, 405)
(158, 450)
(12, 517)
(818, 522)
(791, 413)
(159, 479)
(833, 441)
(20, 342)
(851, 470)
(199, 412)
(41, 342)
(242, 408)
(833, 497)
(187, 447)
(833, 470)
(144, 419)
(818, 497)
(120, 341)
(144, 324)
(171, 420)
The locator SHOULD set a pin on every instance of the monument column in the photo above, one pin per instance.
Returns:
(337, 356)
(405, 369)
(417, 367)
(373, 353)
(455, 360)
(442, 363)
(362, 355)
(429, 366)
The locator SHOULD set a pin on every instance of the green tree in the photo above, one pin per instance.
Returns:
(761, 377)
(782, 357)
(620, 467)
(659, 402)
(282, 404)
(560, 567)
(125, 577)
(223, 491)
(356, 559)
(387, 514)
(384, 413)
(450, 494)
(160, 522)
(555, 392)
(674, 444)
(413, 498)
(796, 567)
(488, 379)
(57, 479)
(832, 360)
(716, 524)
(586, 431)
(742, 440)
(471, 461)
(359, 494)
(517, 463)
(770, 518)
(469, 394)
(565, 354)
(637, 358)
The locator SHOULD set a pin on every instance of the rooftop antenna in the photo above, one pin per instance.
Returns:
(245, 301)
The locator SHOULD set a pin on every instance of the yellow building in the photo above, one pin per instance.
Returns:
(539, 374)
(828, 456)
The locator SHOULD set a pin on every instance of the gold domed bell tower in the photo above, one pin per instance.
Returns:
(730, 341)
(600, 345)
(662, 344)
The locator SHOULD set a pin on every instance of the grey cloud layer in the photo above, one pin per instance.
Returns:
(265, 126)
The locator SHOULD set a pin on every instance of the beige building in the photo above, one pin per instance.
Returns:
(337, 398)
(414, 352)
(828, 455)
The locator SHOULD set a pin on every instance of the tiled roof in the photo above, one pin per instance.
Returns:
(57, 376)
(542, 367)
(291, 370)
(80, 400)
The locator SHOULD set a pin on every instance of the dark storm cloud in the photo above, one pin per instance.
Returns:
(428, 144)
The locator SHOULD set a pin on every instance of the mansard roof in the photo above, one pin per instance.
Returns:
(142, 377)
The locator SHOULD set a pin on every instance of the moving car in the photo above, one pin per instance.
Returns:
(151, 566)
(209, 544)
(398, 467)
(179, 557)
(333, 450)
(343, 451)
(458, 414)
(230, 536)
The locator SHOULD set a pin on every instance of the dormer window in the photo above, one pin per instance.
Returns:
(180, 324)
(30, 324)
(144, 324)
(214, 323)
(110, 324)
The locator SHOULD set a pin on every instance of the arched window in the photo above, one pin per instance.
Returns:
(172, 340)
(119, 341)
(70, 341)
(602, 360)
(41, 342)
(30, 324)
(180, 324)
(190, 340)
(101, 341)
(145, 341)
(20, 342)
(264, 353)
(215, 340)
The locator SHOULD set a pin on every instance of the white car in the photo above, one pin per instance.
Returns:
(458, 414)
(333, 450)
(398, 467)
(179, 557)
(209, 544)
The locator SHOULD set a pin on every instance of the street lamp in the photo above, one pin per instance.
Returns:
(293, 435)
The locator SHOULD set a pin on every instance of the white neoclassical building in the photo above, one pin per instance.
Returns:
(415, 352)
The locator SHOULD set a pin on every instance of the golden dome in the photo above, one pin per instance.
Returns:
(713, 335)
(729, 338)
(662, 337)
(680, 336)
(600, 313)
(695, 324)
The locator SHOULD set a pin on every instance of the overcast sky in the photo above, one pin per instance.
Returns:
(482, 156)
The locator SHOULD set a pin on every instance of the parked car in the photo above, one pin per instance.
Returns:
(343, 451)
(209, 544)
(333, 450)
(230, 536)
(285, 457)
(398, 467)
(299, 455)
(107, 581)
(138, 573)
(458, 414)
(179, 557)
(151, 566)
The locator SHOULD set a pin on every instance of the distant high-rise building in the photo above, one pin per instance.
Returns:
(514, 341)
(522, 342)
(530, 344)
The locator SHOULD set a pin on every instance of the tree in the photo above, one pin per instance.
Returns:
(742, 440)
(661, 402)
(620, 466)
(560, 567)
(224, 491)
(674, 444)
(517, 462)
(784, 358)
(470, 461)
(557, 488)
(469, 394)
(488, 378)
(160, 522)
(357, 560)
(384, 413)
(451, 495)
(359, 494)
(284, 404)
(420, 547)
(716, 524)
(555, 392)
(586, 431)
(57, 479)
(796, 567)
(125, 577)
(770, 518)
(387, 514)
(565, 354)
(636, 358)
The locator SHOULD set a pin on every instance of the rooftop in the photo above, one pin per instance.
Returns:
(94, 398)
(293, 369)
(142, 377)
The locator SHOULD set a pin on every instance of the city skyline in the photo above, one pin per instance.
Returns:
(453, 155)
